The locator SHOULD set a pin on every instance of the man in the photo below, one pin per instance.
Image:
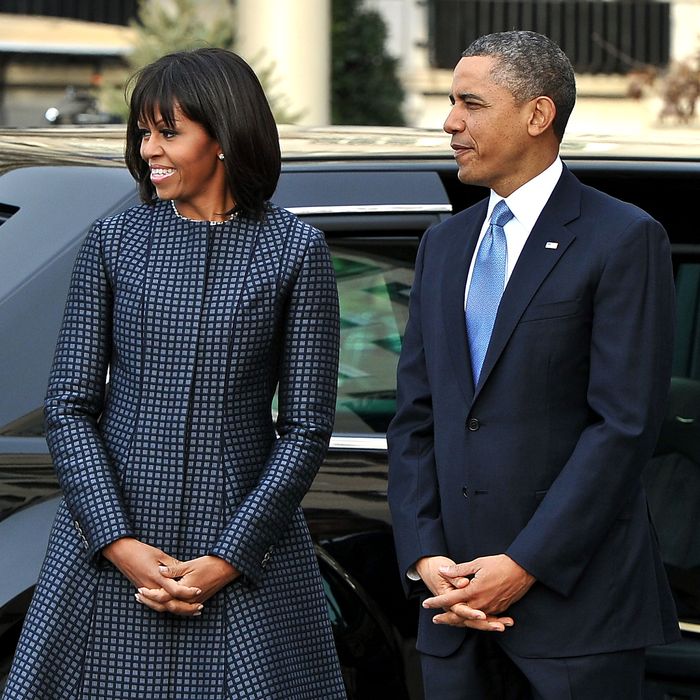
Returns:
(525, 414)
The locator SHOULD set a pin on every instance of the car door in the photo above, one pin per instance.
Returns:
(373, 216)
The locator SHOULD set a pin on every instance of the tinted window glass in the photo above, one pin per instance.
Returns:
(672, 478)
(374, 281)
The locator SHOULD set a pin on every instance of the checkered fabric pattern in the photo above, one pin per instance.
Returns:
(198, 325)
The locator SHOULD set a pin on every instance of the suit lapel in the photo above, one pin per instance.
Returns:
(534, 264)
(458, 255)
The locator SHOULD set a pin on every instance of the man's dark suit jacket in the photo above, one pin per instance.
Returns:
(542, 459)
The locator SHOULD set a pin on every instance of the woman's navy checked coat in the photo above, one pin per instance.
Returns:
(197, 324)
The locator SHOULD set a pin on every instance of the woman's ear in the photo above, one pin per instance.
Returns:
(542, 115)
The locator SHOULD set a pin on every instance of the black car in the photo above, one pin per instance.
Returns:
(373, 192)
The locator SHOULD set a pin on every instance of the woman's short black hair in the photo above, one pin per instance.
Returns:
(220, 91)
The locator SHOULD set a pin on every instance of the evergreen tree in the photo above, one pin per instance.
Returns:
(164, 26)
(364, 85)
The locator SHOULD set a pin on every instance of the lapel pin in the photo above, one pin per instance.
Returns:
(553, 245)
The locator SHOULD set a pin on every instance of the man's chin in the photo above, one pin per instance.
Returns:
(467, 176)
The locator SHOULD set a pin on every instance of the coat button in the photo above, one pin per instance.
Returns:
(473, 424)
(465, 492)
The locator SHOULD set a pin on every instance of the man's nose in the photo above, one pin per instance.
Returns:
(453, 123)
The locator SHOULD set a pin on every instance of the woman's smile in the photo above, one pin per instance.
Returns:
(160, 173)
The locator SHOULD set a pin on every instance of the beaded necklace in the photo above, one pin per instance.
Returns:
(200, 221)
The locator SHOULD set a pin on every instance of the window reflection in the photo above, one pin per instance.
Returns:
(374, 281)
(672, 478)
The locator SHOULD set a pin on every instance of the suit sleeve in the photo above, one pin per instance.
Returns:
(75, 399)
(413, 489)
(630, 367)
(307, 393)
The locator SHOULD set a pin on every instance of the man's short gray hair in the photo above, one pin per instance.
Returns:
(529, 65)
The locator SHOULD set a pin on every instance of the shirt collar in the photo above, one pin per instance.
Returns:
(528, 201)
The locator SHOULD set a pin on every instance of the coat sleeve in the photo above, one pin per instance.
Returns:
(307, 393)
(630, 367)
(75, 399)
(413, 491)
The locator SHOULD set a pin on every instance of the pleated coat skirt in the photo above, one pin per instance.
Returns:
(195, 325)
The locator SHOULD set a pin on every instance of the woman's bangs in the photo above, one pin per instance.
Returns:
(156, 101)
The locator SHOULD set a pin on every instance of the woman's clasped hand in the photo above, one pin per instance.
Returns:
(166, 584)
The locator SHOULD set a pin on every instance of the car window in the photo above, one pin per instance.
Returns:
(374, 280)
(672, 477)
(44, 213)
(686, 358)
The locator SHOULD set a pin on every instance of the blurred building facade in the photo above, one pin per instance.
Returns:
(47, 46)
(292, 37)
(53, 53)
(605, 40)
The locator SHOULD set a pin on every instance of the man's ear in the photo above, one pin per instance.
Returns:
(541, 116)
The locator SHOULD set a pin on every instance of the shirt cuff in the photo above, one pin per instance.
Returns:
(413, 574)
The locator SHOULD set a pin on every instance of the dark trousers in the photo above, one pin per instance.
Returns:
(481, 669)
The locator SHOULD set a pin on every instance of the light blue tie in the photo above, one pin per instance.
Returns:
(486, 288)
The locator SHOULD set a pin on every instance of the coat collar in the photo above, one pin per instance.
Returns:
(534, 264)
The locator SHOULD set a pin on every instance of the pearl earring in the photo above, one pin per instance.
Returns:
(221, 156)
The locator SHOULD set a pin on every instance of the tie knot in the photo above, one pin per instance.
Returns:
(501, 215)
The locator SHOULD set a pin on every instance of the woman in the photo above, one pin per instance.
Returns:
(180, 566)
